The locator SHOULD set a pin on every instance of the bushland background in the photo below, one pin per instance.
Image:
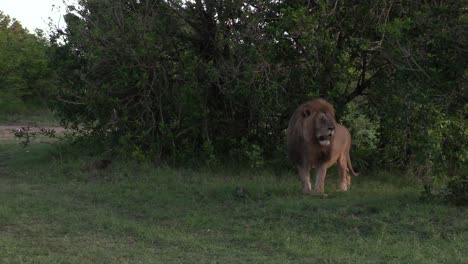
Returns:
(210, 82)
(210, 85)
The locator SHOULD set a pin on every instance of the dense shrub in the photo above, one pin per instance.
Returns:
(27, 79)
(206, 81)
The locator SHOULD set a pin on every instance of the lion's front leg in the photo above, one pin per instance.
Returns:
(320, 179)
(304, 173)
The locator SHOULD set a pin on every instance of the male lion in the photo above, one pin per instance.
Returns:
(315, 140)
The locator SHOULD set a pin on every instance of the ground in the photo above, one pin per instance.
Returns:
(53, 211)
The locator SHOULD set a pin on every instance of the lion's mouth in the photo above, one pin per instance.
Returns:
(324, 140)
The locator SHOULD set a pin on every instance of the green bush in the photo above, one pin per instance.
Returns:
(28, 79)
(208, 79)
(364, 134)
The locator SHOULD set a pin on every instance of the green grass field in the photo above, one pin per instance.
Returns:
(53, 211)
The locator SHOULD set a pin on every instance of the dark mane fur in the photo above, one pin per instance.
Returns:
(312, 153)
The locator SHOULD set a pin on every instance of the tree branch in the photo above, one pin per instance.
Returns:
(362, 85)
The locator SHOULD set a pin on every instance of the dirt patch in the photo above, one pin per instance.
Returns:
(7, 132)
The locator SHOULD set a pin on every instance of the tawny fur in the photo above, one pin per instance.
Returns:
(306, 153)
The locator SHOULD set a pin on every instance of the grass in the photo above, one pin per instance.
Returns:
(53, 211)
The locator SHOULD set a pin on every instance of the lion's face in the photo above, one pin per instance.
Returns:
(324, 128)
(319, 127)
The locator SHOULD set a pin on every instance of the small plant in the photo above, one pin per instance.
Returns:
(127, 148)
(456, 191)
(209, 152)
(254, 155)
(28, 134)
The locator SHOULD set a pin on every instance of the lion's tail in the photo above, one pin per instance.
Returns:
(350, 166)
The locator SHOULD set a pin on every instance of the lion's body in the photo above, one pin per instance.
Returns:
(315, 140)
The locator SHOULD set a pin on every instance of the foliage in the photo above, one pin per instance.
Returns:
(364, 134)
(180, 81)
(27, 77)
(27, 135)
(427, 86)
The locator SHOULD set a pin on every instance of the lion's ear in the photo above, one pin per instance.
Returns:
(305, 113)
